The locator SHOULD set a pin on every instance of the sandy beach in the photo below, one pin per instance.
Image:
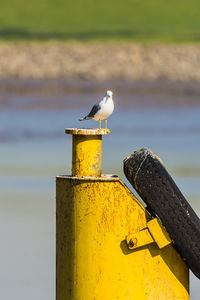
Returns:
(100, 61)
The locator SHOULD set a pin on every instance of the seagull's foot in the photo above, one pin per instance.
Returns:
(107, 130)
(106, 125)
(99, 124)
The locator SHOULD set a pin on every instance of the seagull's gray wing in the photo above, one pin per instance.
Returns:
(92, 113)
(94, 110)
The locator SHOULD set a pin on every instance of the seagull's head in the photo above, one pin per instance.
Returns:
(109, 94)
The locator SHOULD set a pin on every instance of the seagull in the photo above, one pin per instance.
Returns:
(101, 110)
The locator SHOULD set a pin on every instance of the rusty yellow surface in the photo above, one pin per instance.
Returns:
(87, 131)
(84, 163)
(93, 217)
(93, 259)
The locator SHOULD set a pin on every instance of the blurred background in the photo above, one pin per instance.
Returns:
(56, 60)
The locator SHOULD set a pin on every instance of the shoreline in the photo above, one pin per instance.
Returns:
(91, 86)
(142, 75)
(63, 93)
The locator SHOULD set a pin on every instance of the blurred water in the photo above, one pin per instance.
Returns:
(34, 149)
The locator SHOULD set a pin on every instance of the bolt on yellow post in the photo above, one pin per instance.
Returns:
(107, 246)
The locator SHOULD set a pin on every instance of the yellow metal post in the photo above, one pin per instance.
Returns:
(86, 151)
(95, 214)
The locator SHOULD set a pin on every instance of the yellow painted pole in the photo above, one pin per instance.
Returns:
(95, 214)
(86, 143)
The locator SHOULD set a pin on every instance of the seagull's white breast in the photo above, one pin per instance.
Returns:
(106, 109)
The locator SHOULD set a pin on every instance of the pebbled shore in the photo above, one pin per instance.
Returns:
(100, 62)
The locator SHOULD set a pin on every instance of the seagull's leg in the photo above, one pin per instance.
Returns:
(99, 124)
(106, 124)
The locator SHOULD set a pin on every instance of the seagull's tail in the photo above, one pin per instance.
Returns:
(85, 118)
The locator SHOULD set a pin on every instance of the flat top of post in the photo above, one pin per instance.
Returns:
(87, 131)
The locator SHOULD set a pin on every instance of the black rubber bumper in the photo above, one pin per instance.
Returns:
(150, 179)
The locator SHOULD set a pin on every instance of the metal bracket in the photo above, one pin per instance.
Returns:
(155, 232)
